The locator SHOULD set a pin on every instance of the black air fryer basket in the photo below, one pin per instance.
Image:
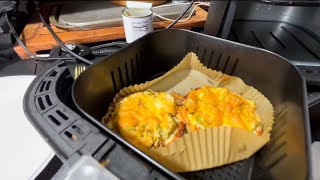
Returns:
(286, 156)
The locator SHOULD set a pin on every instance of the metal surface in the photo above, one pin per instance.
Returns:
(293, 2)
(220, 17)
(98, 14)
(301, 47)
(291, 31)
(272, 75)
(304, 17)
(289, 41)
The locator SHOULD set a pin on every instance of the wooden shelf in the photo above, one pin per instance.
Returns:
(37, 37)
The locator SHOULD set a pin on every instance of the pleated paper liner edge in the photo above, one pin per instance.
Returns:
(210, 147)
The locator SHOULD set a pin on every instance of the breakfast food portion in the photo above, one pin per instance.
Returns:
(146, 119)
(154, 119)
(192, 117)
(207, 107)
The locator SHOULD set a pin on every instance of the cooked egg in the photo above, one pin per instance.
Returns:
(146, 119)
(208, 107)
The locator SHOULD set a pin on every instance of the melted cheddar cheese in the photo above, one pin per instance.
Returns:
(208, 107)
(146, 119)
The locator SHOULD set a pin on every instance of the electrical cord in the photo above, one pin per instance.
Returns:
(190, 15)
(98, 50)
(181, 15)
(16, 36)
(57, 39)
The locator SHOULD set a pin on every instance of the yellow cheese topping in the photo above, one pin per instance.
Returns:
(211, 107)
(145, 118)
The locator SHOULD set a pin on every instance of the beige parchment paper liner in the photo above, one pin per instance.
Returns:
(210, 147)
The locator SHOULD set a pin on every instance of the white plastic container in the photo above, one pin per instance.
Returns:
(137, 23)
(85, 168)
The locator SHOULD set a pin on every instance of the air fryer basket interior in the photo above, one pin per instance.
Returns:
(285, 156)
